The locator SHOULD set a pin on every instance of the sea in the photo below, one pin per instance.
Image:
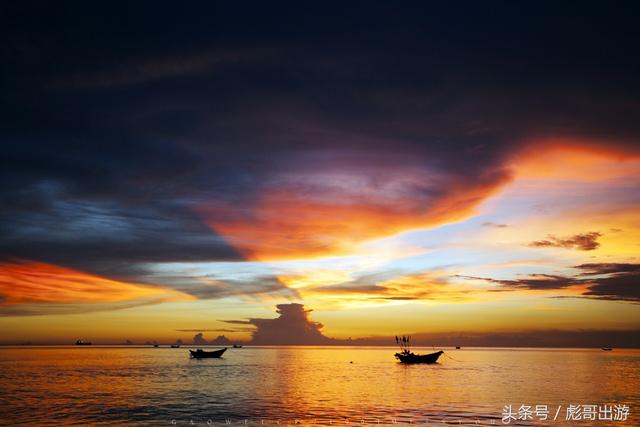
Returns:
(337, 386)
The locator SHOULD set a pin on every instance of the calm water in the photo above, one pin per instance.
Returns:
(314, 385)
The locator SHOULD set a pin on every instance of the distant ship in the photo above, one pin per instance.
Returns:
(80, 342)
(237, 346)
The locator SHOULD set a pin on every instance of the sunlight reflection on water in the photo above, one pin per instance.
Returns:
(153, 386)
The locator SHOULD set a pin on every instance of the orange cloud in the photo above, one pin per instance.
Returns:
(40, 283)
(330, 214)
(571, 159)
(289, 225)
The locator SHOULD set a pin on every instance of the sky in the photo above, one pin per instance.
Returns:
(319, 171)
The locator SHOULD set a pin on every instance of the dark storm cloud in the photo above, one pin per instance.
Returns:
(118, 122)
(73, 231)
(582, 242)
(143, 71)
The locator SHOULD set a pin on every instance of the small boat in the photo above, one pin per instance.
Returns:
(237, 346)
(607, 348)
(418, 358)
(80, 342)
(457, 347)
(155, 345)
(175, 345)
(201, 354)
(407, 356)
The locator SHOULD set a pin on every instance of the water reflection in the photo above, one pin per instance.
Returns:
(111, 386)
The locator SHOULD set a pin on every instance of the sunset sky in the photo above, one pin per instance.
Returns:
(414, 169)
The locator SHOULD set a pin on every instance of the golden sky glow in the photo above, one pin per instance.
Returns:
(368, 268)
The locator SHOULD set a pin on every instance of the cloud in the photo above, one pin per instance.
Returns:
(108, 237)
(198, 339)
(352, 288)
(608, 268)
(237, 322)
(620, 282)
(148, 70)
(583, 242)
(427, 286)
(291, 327)
(494, 225)
(36, 288)
(329, 212)
(210, 287)
(616, 288)
(117, 162)
(532, 282)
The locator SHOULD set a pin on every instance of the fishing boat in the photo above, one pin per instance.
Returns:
(407, 356)
(80, 342)
(237, 346)
(175, 345)
(418, 358)
(201, 354)
(607, 348)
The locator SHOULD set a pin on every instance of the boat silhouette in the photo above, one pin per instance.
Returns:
(407, 356)
(201, 354)
(80, 342)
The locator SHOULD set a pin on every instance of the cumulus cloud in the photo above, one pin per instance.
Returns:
(292, 327)
(198, 339)
(583, 242)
